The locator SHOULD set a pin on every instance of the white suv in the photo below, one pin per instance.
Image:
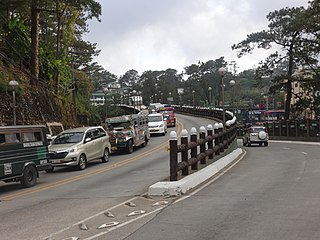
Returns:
(157, 124)
(256, 134)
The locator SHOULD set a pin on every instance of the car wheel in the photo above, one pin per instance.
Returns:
(50, 170)
(249, 144)
(129, 147)
(82, 162)
(266, 144)
(244, 142)
(106, 156)
(29, 177)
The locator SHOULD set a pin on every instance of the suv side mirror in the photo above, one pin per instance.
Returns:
(87, 140)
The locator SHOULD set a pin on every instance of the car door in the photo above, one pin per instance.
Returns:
(99, 142)
(89, 146)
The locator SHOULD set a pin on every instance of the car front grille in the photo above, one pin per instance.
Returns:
(54, 155)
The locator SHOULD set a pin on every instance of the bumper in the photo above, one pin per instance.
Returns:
(156, 130)
(64, 162)
(43, 167)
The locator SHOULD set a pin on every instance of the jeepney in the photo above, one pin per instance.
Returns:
(168, 113)
(128, 131)
(23, 153)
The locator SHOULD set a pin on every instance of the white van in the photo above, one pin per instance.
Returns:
(157, 124)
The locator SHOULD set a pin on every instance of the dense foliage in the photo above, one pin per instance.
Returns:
(42, 45)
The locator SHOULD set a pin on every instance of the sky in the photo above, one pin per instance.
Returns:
(160, 34)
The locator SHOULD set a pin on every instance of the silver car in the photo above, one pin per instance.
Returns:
(78, 146)
(256, 134)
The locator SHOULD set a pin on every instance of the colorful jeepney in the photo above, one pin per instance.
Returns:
(168, 113)
(128, 131)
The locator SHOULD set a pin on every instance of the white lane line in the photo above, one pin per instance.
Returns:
(304, 153)
(123, 224)
(88, 218)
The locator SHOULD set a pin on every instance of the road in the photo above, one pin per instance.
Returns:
(54, 207)
(272, 193)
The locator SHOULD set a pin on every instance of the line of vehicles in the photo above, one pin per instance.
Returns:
(27, 150)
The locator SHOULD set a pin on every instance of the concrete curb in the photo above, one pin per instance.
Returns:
(182, 186)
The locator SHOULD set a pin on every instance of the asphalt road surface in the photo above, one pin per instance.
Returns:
(66, 198)
(272, 193)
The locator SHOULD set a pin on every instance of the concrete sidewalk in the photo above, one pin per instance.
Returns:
(180, 187)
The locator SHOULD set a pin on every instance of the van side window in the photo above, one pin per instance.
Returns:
(31, 137)
(12, 137)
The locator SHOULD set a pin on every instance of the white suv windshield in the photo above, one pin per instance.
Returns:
(155, 118)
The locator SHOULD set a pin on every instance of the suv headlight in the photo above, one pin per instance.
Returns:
(71, 150)
(161, 125)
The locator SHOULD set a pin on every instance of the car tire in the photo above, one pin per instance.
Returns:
(249, 144)
(82, 162)
(129, 147)
(29, 177)
(266, 144)
(50, 170)
(106, 156)
(244, 143)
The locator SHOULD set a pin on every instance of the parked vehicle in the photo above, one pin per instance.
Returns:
(157, 123)
(23, 153)
(78, 146)
(169, 115)
(256, 134)
(128, 131)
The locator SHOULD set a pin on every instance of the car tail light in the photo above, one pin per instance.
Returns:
(250, 130)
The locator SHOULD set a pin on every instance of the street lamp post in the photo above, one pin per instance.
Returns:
(14, 84)
(193, 97)
(210, 96)
(222, 71)
(105, 90)
(232, 83)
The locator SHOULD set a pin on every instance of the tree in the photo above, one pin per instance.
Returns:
(287, 30)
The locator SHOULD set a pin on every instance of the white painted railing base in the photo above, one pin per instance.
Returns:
(180, 187)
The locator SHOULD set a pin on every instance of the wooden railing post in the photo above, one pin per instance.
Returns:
(216, 127)
(194, 152)
(173, 156)
(210, 143)
(221, 141)
(184, 153)
(202, 135)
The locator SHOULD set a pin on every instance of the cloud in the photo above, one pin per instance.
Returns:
(156, 35)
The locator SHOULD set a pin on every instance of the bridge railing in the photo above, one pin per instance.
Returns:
(208, 146)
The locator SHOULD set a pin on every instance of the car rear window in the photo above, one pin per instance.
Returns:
(257, 129)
